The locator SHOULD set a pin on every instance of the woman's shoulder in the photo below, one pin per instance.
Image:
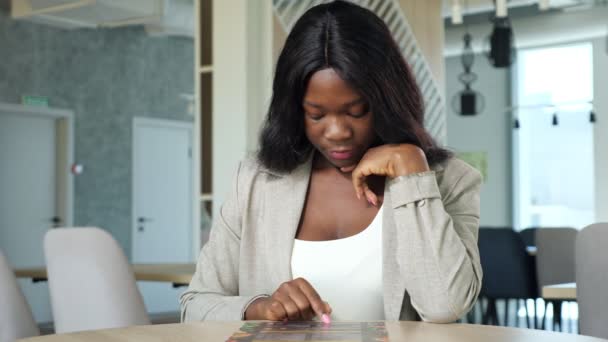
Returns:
(453, 174)
(254, 180)
(250, 164)
(251, 169)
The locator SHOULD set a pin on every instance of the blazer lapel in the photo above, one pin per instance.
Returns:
(285, 201)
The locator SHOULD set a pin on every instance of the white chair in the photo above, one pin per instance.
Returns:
(91, 283)
(591, 280)
(555, 263)
(16, 319)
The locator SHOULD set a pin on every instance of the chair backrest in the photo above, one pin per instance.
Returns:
(555, 255)
(528, 236)
(16, 319)
(508, 270)
(592, 279)
(91, 283)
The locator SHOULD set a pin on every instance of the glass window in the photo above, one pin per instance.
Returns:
(553, 147)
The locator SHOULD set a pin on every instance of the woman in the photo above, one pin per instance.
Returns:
(350, 210)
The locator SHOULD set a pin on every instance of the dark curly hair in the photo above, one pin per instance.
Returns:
(358, 45)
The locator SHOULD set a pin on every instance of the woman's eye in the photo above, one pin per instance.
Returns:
(315, 117)
(358, 115)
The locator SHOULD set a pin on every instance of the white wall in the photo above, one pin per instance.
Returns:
(425, 19)
(489, 131)
(260, 64)
(242, 59)
(600, 68)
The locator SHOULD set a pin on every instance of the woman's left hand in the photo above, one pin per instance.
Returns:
(386, 160)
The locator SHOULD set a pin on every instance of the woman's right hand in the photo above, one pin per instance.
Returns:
(295, 300)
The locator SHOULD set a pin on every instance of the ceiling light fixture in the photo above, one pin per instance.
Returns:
(456, 12)
(502, 46)
(501, 8)
(516, 123)
(555, 121)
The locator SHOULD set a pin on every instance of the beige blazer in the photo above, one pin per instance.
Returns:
(431, 268)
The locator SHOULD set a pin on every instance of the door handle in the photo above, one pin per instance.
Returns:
(56, 221)
(141, 220)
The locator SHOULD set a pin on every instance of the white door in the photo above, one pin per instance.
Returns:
(27, 196)
(162, 195)
(162, 191)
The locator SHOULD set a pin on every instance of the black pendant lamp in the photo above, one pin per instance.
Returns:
(555, 121)
(501, 52)
(516, 123)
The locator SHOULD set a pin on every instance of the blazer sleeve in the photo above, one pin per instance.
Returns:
(437, 244)
(213, 293)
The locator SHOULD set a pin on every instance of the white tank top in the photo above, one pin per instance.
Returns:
(347, 273)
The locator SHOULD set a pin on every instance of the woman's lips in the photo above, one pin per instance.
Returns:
(341, 155)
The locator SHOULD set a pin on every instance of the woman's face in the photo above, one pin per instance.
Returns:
(337, 120)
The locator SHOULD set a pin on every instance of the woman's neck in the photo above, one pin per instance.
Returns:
(321, 164)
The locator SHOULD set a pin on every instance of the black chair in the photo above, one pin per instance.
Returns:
(528, 235)
(508, 271)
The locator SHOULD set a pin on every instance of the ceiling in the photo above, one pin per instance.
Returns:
(470, 7)
(480, 11)
(532, 27)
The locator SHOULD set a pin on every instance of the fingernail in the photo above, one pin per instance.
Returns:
(325, 319)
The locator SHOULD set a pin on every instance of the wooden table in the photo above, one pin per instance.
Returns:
(560, 291)
(177, 274)
(398, 331)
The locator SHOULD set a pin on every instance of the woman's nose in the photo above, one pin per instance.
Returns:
(338, 130)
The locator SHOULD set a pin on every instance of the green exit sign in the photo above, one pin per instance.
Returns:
(40, 101)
